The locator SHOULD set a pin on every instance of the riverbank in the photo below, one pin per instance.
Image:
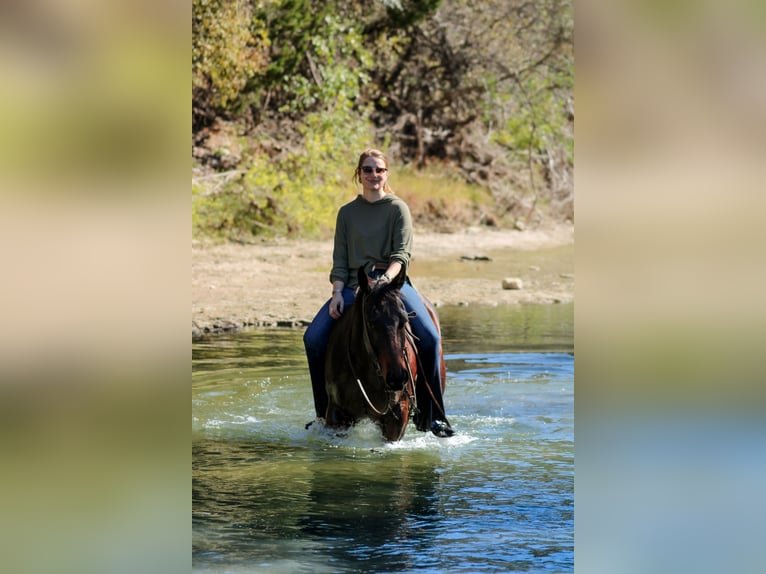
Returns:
(282, 283)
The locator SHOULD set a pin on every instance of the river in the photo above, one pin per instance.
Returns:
(270, 495)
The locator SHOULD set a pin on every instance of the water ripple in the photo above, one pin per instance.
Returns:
(271, 495)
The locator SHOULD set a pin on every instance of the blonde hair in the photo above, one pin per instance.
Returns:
(377, 154)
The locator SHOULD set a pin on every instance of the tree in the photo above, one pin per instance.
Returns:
(488, 87)
(229, 48)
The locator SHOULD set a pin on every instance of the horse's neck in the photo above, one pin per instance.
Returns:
(356, 322)
(358, 335)
(359, 328)
(354, 331)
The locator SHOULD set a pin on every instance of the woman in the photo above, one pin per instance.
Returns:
(374, 231)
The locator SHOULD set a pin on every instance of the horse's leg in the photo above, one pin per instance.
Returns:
(404, 413)
(337, 418)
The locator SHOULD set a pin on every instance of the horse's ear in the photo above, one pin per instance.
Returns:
(363, 279)
(398, 281)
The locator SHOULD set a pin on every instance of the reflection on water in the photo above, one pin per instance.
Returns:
(272, 496)
(508, 328)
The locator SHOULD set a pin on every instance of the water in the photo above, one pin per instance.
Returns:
(272, 496)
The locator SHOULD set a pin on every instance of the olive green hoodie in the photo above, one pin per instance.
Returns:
(368, 233)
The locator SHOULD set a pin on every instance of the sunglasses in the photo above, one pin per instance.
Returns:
(368, 169)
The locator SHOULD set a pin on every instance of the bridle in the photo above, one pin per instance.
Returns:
(409, 385)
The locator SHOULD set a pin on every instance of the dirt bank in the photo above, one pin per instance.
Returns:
(283, 282)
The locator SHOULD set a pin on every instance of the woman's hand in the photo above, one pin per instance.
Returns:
(336, 305)
(381, 281)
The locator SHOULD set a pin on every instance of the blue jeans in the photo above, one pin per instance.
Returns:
(429, 344)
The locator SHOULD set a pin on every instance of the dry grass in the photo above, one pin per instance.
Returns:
(441, 200)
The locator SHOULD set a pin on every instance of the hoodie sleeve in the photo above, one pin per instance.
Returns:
(339, 270)
(401, 235)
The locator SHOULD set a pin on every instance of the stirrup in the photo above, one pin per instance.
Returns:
(441, 429)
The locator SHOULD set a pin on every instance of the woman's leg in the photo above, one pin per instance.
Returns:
(315, 341)
(429, 349)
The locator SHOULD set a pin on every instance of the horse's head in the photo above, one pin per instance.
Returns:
(384, 322)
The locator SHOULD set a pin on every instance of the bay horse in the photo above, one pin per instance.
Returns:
(372, 368)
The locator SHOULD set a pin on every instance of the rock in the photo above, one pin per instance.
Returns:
(489, 220)
(475, 258)
(225, 326)
(513, 283)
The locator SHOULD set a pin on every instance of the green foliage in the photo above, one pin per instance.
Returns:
(317, 55)
(529, 97)
(537, 122)
(228, 213)
(292, 24)
(403, 13)
(332, 74)
(485, 87)
(298, 194)
(229, 47)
